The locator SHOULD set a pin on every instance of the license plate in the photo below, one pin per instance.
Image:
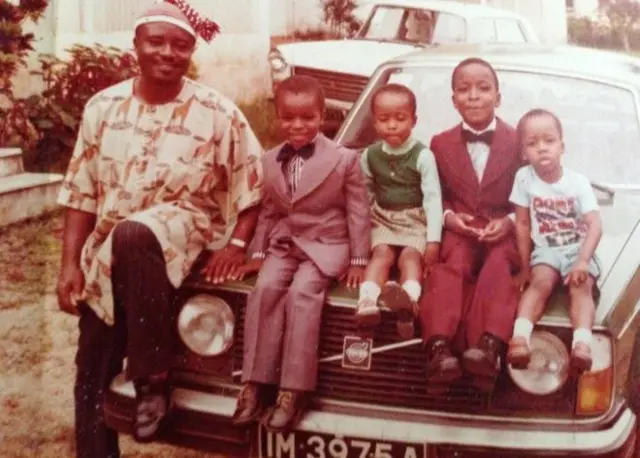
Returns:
(303, 444)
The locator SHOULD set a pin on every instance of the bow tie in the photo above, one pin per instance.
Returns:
(287, 152)
(472, 137)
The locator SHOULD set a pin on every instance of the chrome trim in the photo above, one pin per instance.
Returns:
(368, 427)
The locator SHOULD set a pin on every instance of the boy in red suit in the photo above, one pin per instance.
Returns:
(313, 227)
(471, 293)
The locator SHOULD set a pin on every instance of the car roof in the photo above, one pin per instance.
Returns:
(566, 60)
(447, 6)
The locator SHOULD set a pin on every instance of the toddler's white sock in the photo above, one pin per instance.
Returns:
(522, 328)
(581, 335)
(413, 289)
(370, 290)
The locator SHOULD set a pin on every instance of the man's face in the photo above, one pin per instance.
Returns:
(164, 51)
(299, 117)
(393, 118)
(475, 95)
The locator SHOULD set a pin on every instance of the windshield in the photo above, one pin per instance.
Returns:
(600, 122)
(419, 26)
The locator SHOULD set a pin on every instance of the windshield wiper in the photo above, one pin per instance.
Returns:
(610, 193)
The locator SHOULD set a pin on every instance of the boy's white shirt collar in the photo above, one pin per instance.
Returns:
(491, 127)
(400, 150)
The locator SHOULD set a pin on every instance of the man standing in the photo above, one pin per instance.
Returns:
(162, 167)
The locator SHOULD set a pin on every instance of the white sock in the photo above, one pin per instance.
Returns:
(370, 290)
(522, 328)
(413, 289)
(581, 335)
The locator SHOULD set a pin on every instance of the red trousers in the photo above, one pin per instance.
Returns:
(471, 290)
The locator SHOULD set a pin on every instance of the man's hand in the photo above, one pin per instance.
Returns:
(496, 230)
(354, 276)
(430, 258)
(223, 264)
(459, 222)
(249, 267)
(69, 289)
(578, 275)
(522, 279)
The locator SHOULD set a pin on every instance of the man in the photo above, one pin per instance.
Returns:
(162, 168)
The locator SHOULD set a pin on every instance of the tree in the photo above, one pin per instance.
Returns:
(15, 45)
(624, 16)
(339, 15)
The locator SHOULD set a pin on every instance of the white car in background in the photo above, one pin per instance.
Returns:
(390, 29)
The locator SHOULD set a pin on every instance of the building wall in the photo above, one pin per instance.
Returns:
(585, 7)
(234, 63)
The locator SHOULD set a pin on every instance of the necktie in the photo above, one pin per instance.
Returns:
(471, 137)
(287, 152)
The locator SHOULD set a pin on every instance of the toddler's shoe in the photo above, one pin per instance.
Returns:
(367, 312)
(519, 353)
(396, 299)
(581, 358)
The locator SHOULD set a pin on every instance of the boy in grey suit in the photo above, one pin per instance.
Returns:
(313, 227)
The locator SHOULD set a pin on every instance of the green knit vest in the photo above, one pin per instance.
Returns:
(396, 179)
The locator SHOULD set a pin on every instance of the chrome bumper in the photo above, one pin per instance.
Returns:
(507, 437)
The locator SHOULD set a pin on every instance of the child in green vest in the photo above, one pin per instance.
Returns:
(406, 210)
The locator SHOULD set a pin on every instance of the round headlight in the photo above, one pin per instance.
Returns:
(277, 62)
(549, 367)
(206, 324)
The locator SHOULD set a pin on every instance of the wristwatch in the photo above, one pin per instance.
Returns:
(238, 242)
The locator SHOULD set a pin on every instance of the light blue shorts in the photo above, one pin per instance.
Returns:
(562, 259)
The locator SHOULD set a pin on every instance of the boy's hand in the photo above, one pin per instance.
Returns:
(459, 222)
(430, 258)
(354, 276)
(522, 279)
(222, 263)
(496, 230)
(252, 266)
(578, 275)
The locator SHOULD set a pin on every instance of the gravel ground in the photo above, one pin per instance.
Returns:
(37, 351)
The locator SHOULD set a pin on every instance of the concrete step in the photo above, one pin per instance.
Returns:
(28, 195)
(10, 162)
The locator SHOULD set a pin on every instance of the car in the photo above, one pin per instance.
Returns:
(372, 400)
(392, 28)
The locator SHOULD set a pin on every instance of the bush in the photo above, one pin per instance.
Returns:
(599, 34)
(260, 116)
(69, 84)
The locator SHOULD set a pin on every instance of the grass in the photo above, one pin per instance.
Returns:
(38, 349)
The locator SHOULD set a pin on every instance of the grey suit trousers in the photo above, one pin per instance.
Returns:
(282, 323)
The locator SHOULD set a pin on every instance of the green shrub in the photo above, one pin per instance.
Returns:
(261, 116)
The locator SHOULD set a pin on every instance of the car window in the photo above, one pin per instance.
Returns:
(384, 24)
(418, 26)
(449, 28)
(483, 31)
(510, 31)
(600, 122)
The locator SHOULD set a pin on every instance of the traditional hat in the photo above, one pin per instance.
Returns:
(180, 14)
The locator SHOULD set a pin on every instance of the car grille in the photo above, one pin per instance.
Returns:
(339, 86)
(396, 377)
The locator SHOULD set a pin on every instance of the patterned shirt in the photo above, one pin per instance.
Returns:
(185, 169)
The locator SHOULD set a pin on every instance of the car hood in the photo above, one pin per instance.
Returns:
(353, 56)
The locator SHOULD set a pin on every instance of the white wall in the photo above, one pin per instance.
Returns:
(548, 17)
(585, 7)
(234, 62)
(286, 16)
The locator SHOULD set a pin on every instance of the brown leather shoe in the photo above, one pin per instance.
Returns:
(581, 358)
(250, 405)
(153, 407)
(442, 366)
(484, 359)
(519, 353)
(396, 299)
(287, 412)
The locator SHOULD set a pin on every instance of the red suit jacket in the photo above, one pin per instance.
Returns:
(461, 190)
(328, 215)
